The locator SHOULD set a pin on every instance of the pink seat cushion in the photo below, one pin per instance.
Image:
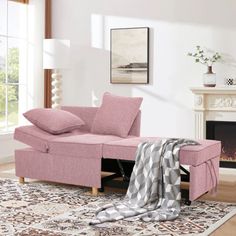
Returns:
(189, 155)
(37, 138)
(54, 121)
(116, 115)
(87, 145)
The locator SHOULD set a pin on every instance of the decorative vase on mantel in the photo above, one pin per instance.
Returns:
(209, 78)
(206, 57)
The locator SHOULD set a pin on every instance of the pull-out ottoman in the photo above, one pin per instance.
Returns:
(203, 161)
(70, 158)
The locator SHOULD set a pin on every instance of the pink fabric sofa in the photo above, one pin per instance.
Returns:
(76, 157)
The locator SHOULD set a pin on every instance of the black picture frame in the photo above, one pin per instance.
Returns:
(129, 55)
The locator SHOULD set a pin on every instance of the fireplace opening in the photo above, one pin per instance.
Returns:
(225, 131)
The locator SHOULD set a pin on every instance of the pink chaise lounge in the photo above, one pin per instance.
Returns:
(76, 157)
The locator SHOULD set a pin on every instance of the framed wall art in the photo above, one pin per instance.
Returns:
(129, 60)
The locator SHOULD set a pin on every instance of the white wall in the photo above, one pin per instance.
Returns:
(7, 147)
(176, 27)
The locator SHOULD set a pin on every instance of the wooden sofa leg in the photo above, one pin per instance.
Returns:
(21, 180)
(94, 191)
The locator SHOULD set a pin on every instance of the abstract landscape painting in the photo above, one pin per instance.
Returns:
(129, 55)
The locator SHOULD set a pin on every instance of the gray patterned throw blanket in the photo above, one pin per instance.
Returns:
(154, 188)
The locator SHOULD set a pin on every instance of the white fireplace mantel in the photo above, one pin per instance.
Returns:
(218, 103)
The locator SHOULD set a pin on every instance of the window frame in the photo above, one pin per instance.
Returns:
(20, 1)
(47, 72)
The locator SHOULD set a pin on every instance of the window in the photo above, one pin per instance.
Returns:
(13, 62)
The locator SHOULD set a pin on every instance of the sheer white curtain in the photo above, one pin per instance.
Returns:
(34, 94)
(31, 74)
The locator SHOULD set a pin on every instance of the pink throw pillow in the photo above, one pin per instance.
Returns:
(116, 115)
(53, 121)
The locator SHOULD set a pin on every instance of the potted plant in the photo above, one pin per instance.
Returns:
(207, 58)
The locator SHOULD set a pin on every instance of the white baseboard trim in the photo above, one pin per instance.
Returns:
(8, 159)
(228, 171)
(223, 171)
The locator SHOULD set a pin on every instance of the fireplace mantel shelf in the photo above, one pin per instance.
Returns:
(215, 90)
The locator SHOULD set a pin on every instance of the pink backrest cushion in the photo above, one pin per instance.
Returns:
(53, 121)
(116, 115)
(135, 128)
(87, 114)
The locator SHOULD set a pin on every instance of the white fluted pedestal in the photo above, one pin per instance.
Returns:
(56, 90)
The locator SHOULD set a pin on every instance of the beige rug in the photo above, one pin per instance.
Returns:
(61, 210)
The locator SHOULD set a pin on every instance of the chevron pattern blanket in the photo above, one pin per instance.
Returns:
(154, 188)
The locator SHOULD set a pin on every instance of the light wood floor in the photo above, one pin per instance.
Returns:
(226, 193)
